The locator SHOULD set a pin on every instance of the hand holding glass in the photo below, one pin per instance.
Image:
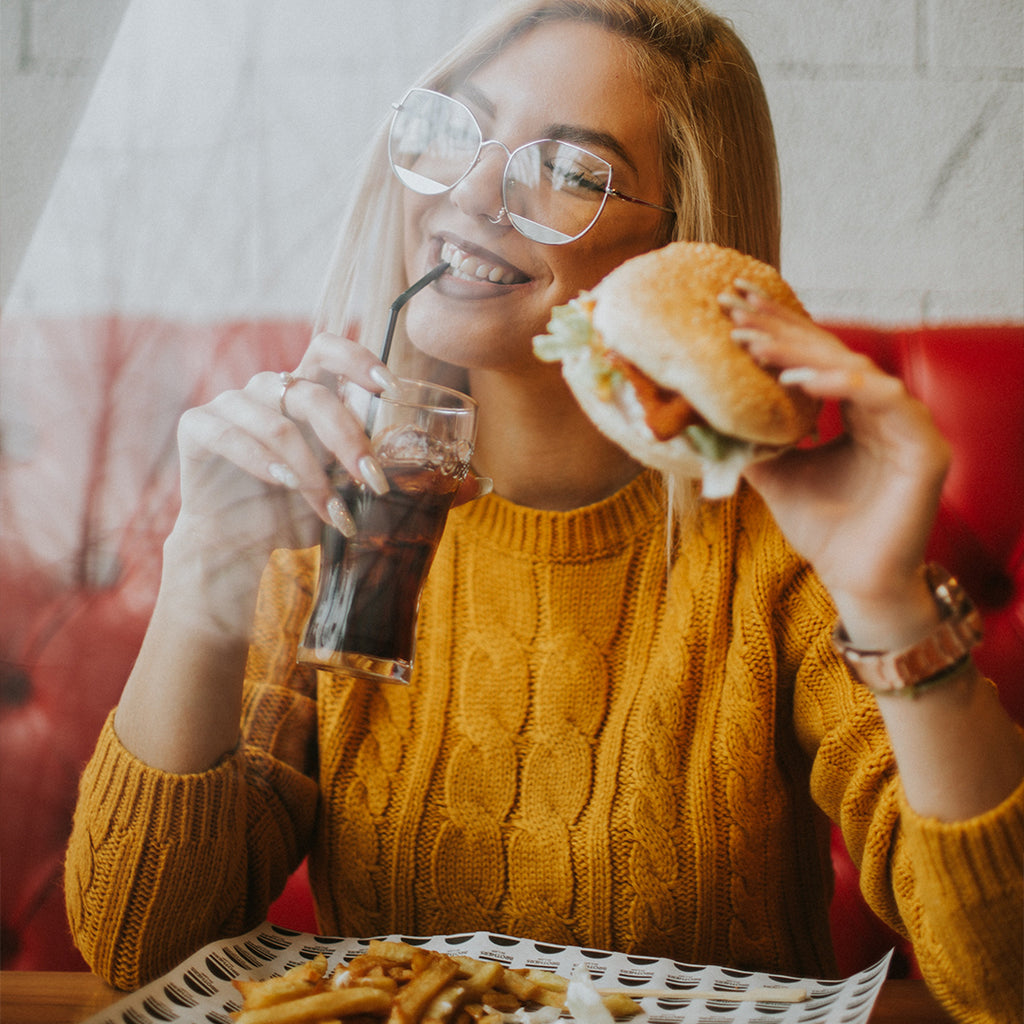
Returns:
(363, 619)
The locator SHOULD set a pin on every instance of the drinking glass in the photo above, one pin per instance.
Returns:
(363, 619)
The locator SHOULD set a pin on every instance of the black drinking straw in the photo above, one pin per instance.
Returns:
(396, 306)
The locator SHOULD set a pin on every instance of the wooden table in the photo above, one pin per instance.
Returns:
(53, 997)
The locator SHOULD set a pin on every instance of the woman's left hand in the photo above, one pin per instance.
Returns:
(860, 508)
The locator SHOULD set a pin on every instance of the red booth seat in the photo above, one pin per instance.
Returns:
(972, 380)
(88, 497)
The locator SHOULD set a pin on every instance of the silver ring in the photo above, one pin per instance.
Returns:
(287, 380)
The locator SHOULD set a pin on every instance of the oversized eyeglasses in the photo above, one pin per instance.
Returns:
(552, 191)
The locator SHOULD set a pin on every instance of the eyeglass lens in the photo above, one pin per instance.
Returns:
(553, 191)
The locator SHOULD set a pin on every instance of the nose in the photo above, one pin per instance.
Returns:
(479, 193)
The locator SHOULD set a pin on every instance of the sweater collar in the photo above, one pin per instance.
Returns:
(638, 509)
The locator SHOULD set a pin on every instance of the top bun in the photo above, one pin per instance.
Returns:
(661, 312)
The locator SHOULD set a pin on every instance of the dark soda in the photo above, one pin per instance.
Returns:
(363, 620)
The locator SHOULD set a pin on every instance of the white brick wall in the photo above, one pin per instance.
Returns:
(208, 173)
(901, 136)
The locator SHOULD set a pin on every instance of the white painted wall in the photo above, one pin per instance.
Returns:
(209, 169)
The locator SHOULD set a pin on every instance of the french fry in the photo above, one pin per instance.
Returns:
(619, 1004)
(768, 994)
(399, 983)
(550, 996)
(442, 1007)
(480, 974)
(546, 979)
(519, 984)
(313, 1009)
(481, 1014)
(402, 952)
(503, 1002)
(431, 973)
(296, 982)
(379, 971)
(370, 963)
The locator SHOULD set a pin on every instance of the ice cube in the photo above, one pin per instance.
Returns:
(410, 445)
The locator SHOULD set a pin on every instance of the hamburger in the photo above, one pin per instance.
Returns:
(649, 355)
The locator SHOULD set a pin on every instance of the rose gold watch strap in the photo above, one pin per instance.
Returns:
(936, 655)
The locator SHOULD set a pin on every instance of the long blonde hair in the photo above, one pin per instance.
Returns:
(720, 165)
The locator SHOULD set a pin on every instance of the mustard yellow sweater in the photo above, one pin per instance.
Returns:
(599, 747)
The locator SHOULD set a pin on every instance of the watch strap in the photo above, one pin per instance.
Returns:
(933, 658)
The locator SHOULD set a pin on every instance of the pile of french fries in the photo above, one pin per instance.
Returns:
(397, 983)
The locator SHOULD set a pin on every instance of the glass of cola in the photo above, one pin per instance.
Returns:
(363, 618)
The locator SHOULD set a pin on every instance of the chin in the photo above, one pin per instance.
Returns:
(471, 343)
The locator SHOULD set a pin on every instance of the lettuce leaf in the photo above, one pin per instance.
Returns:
(713, 445)
(569, 330)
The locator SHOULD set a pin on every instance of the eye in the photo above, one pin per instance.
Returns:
(576, 172)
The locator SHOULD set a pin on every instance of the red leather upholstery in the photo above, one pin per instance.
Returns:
(89, 482)
(87, 499)
(972, 380)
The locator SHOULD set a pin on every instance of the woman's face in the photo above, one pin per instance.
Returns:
(559, 78)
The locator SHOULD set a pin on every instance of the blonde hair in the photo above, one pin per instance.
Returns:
(720, 166)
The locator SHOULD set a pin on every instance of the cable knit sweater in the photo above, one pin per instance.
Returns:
(602, 745)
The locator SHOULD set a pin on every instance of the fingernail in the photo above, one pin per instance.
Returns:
(797, 375)
(341, 517)
(383, 377)
(731, 301)
(281, 474)
(750, 336)
(373, 475)
(484, 485)
(748, 286)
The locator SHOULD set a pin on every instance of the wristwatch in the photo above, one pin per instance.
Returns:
(931, 659)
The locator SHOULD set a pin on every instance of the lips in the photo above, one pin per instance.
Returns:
(468, 264)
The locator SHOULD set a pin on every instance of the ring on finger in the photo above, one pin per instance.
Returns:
(287, 380)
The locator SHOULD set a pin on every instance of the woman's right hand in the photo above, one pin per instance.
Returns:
(252, 480)
(253, 460)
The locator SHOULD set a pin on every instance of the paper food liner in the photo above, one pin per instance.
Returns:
(200, 989)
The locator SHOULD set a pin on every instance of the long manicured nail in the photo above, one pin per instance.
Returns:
(749, 287)
(797, 375)
(341, 517)
(373, 475)
(730, 301)
(484, 485)
(750, 336)
(280, 473)
(383, 377)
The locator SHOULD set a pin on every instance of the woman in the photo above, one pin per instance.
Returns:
(604, 743)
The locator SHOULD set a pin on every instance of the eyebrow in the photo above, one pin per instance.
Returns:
(587, 137)
(475, 96)
(577, 134)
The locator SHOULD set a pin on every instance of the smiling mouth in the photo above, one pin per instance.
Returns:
(467, 266)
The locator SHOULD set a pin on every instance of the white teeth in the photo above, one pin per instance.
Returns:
(472, 268)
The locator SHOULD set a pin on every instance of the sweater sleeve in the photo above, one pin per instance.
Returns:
(961, 889)
(160, 864)
(956, 890)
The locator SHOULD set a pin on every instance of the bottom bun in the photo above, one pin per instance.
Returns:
(620, 418)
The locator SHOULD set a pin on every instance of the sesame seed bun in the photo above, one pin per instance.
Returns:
(656, 324)
(661, 312)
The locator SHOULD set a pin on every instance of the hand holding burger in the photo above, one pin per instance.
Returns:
(650, 357)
